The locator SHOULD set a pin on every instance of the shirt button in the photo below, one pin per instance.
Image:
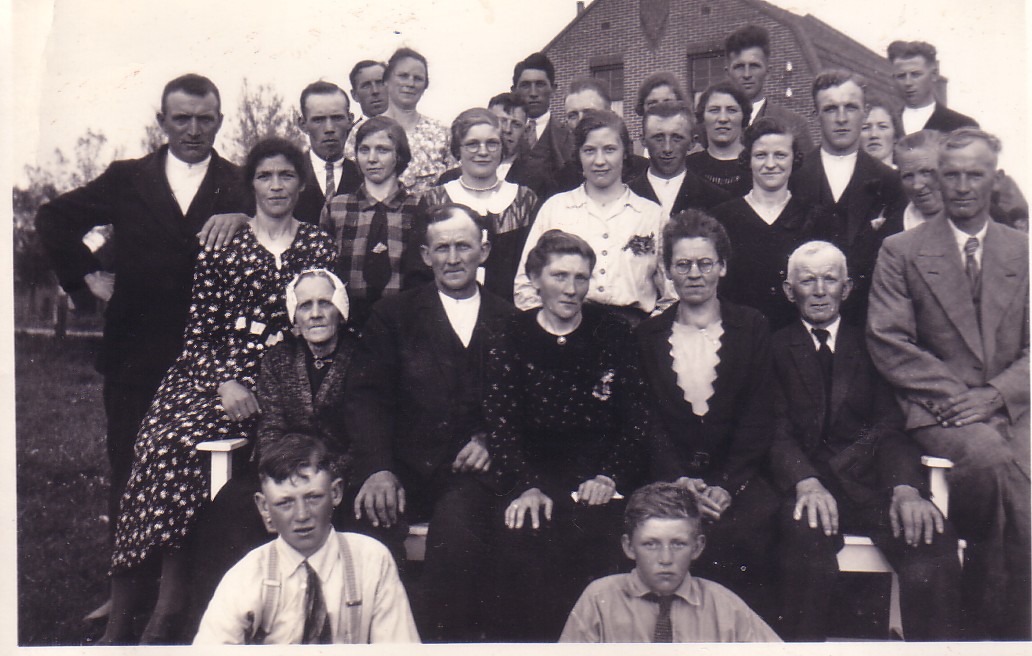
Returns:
(601, 288)
(605, 236)
(603, 271)
(604, 253)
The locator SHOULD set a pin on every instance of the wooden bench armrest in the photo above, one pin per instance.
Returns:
(221, 460)
(937, 468)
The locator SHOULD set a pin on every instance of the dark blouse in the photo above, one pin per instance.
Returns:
(564, 410)
(759, 254)
(727, 174)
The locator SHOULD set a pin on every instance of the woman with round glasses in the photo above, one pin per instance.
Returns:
(707, 364)
(507, 209)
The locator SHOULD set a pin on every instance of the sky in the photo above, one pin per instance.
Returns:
(100, 64)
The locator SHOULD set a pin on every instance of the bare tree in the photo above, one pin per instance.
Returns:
(153, 138)
(261, 113)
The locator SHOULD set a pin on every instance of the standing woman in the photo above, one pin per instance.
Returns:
(407, 78)
(723, 111)
(882, 128)
(566, 406)
(237, 312)
(507, 209)
(768, 223)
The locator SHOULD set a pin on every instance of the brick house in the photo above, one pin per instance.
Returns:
(624, 41)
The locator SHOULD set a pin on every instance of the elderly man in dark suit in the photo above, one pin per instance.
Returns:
(159, 206)
(949, 329)
(326, 118)
(843, 463)
(549, 142)
(915, 72)
(414, 410)
(864, 196)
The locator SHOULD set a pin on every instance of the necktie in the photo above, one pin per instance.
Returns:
(971, 265)
(376, 268)
(317, 621)
(331, 186)
(531, 133)
(664, 629)
(824, 357)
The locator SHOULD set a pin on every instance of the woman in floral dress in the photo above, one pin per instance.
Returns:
(237, 313)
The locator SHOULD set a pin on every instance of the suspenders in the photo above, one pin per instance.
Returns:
(271, 588)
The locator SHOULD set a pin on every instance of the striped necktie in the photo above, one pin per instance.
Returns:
(331, 186)
(317, 621)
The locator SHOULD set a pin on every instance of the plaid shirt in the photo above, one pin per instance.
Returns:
(348, 221)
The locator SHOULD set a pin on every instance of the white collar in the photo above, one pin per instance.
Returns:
(496, 203)
(179, 166)
(657, 181)
(832, 333)
(541, 122)
(961, 238)
(915, 118)
(319, 164)
(757, 107)
(830, 157)
(913, 217)
(322, 561)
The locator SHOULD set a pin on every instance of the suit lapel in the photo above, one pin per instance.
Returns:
(152, 186)
(203, 204)
(938, 262)
(858, 195)
(804, 356)
(441, 335)
(845, 365)
(1003, 263)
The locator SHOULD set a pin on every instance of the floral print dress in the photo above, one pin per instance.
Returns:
(429, 142)
(238, 311)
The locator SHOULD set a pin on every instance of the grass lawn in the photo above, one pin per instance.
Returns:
(62, 466)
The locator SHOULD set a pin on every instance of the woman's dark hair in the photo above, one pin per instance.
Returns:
(271, 147)
(406, 53)
(693, 224)
(763, 127)
(730, 89)
(466, 120)
(557, 242)
(395, 133)
(661, 79)
(594, 119)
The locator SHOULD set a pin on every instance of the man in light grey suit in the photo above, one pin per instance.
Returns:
(948, 327)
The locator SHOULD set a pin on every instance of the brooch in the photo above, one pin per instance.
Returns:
(642, 245)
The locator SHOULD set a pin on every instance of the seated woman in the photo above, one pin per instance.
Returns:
(621, 227)
(707, 363)
(507, 209)
(567, 410)
(768, 223)
(237, 313)
(373, 226)
(723, 111)
(881, 128)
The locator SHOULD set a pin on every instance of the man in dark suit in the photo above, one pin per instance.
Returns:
(748, 57)
(843, 464)
(915, 72)
(864, 196)
(326, 119)
(550, 143)
(667, 135)
(159, 206)
(413, 409)
(948, 327)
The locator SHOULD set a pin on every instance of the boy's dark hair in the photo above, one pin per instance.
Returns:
(193, 85)
(285, 458)
(907, 49)
(508, 101)
(321, 88)
(537, 61)
(661, 501)
(836, 77)
(749, 36)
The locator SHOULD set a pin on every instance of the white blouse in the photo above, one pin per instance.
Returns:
(694, 351)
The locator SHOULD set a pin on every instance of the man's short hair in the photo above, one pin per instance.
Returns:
(748, 36)
(920, 140)
(406, 53)
(731, 89)
(962, 137)
(762, 127)
(286, 457)
(594, 119)
(811, 248)
(661, 79)
(191, 84)
(661, 500)
(898, 49)
(508, 101)
(271, 147)
(590, 84)
(836, 77)
(361, 66)
(538, 61)
(557, 242)
(444, 211)
(396, 133)
(321, 88)
(462, 124)
(694, 224)
(668, 110)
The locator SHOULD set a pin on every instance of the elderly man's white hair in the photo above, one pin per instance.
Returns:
(340, 295)
(811, 248)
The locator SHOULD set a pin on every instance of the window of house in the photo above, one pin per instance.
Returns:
(612, 76)
(705, 69)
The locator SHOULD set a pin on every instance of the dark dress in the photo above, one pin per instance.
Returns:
(727, 174)
(759, 253)
(562, 410)
(238, 311)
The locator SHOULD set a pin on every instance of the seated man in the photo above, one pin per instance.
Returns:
(844, 464)
(659, 601)
(311, 585)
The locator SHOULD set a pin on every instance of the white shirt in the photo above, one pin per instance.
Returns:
(912, 217)
(838, 169)
(915, 118)
(319, 166)
(627, 239)
(385, 612)
(462, 314)
(962, 238)
(541, 122)
(666, 190)
(185, 179)
(832, 333)
(757, 107)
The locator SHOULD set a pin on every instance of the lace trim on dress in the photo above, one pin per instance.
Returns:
(694, 351)
(496, 203)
